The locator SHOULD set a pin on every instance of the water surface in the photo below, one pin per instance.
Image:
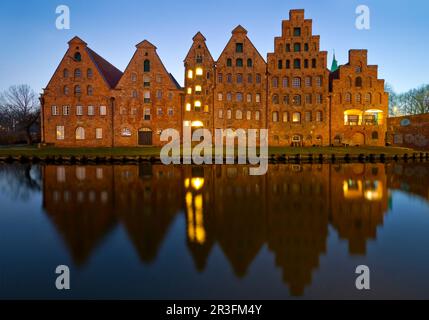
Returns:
(188, 232)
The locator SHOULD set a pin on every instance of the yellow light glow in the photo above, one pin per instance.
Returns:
(188, 107)
(197, 103)
(189, 90)
(352, 189)
(375, 193)
(197, 124)
(199, 72)
(197, 183)
(190, 74)
(198, 89)
(187, 183)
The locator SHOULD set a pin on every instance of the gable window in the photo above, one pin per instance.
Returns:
(77, 90)
(358, 82)
(98, 133)
(89, 91)
(229, 62)
(239, 62)
(296, 32)
(60, 133)
(89, 73)
(297, 64)
(146, 97)
(54, 111)
(297, 47)
(65, 73)
(80, 133)
(79, 110)
(103, 110)
(146, 66)
(199, 58)
(77, 73)
(77, 57)
(239, 47)
(249, 63)
(133, 77)
(66, 90)
(146, 81)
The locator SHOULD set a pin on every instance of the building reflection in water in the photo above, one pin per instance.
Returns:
(289, 210)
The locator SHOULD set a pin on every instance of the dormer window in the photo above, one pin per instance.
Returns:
(78, 57)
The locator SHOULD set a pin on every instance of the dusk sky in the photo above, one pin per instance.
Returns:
(32, 47)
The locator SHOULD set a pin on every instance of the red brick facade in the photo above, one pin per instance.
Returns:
(409, 131)
(359, 104)
(90, 103)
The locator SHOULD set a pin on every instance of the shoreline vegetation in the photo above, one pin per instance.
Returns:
(152, 154)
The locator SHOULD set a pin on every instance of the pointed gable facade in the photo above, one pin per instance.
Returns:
(240, 93)
(148, 100)
(77, 102)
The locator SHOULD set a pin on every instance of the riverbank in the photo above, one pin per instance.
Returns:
(151, 154)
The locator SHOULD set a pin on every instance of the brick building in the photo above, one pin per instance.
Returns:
(359, 104)
(298, 85)
(90, 103)
(409, 131)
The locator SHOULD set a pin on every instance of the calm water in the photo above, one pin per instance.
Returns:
(143, 231)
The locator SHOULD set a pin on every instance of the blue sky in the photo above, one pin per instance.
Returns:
(32, 47)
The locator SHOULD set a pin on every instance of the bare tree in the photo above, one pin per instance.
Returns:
(415, 101)
(21, 107)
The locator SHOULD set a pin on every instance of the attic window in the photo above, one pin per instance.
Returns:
(78, 56)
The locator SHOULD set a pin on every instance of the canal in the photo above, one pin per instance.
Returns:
(214, 232)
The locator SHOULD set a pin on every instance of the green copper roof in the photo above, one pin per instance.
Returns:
(334, 66)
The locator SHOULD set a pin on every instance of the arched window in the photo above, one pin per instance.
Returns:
(89, 91)
(297, 100)
(275, 99)
(228, 114)
(146, 66)
(286, 99)
(275, 116)
(285, 116)
(319, 116)
(77, 57)
(348, 97)
(89, 73)
(374, 135)
(249, 62)
(285, 82)
(358, 98)
(66, 73)
(358, 82)
(77, 73)
(368, 98)
(80, 133)
(239, 62)
(313, 63)
(238, 115)
(297, 63)
(275, 82)
(66, 90)
(249, 115)
(296, 82)
(296, 117)
(77, 90)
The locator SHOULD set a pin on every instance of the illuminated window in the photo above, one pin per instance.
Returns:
(238, 115)
(60, 132)
(189, 90)
(206, 108)
(188, 107)
(199, 72)
(80, 133)
(275, 116)
(198, 89)
(220, 114)
(190, 74)
(285, 117)
(197, 105)
(228, 114)
(249, 115)
(98, 133)
(296, 117)
(258, 98)
(249, 98)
